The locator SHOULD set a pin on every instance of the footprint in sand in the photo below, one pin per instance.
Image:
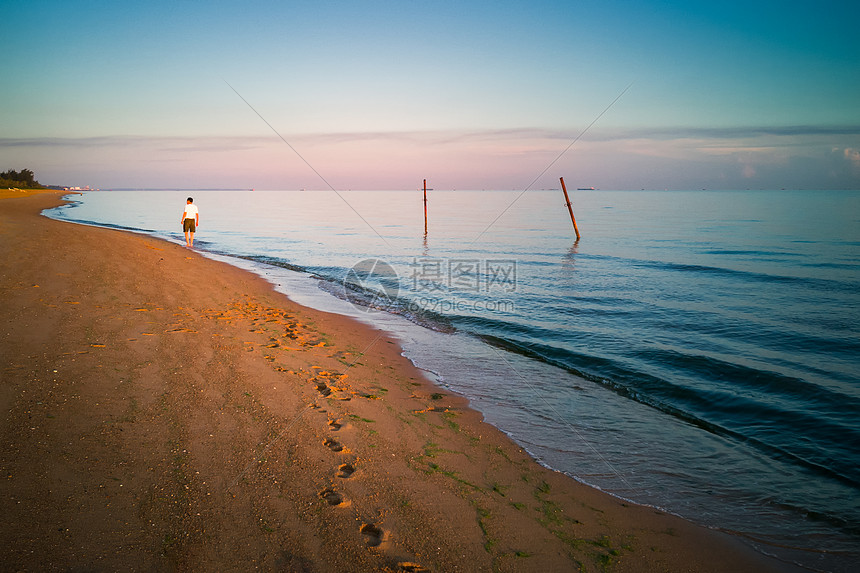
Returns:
(334, 425)
(331, 496)
(412, 567)
(323, 389)
(372, 535)
(345, 471)
(333, 445)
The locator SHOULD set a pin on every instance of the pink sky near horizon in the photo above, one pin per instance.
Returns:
(448, 160)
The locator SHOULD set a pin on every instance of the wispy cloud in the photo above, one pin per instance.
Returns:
(748, 132)
(767, 156)
(439, 137)
(130, 141)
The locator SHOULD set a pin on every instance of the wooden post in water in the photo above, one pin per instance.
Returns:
(425, 206)
(569, 208)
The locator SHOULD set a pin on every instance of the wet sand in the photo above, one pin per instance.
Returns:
(162, 411)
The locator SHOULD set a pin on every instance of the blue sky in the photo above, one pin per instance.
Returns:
(471, 95)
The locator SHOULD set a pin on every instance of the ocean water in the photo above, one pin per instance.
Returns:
(697, 351)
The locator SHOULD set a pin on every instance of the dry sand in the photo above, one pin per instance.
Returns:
(162, 411)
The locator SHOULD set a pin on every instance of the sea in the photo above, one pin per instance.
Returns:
(695, 351)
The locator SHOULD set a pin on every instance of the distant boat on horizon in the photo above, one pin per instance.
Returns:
(585, 189)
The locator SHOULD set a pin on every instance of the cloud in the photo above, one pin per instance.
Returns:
(134, 141)
(772, 157)
(749, 132)
(455, 137)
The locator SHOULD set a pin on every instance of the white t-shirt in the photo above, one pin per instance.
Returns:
(190, 211)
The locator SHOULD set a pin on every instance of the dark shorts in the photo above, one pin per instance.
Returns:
(188, 225)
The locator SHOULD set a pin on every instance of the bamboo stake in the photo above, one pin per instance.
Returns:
(425, 207)
(569, 208)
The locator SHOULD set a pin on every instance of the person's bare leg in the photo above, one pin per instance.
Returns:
(191, 240)
(187, 239)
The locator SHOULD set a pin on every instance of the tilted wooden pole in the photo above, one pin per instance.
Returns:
(569, 208)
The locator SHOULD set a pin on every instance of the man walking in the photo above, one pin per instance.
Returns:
(190, 220)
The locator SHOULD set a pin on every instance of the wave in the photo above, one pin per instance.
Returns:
(380, 300)
(275, 262)
(819, 284)
(683, 403)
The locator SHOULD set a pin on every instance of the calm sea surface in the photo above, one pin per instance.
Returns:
(695, 351)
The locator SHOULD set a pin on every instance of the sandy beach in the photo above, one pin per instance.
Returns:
(162, 411)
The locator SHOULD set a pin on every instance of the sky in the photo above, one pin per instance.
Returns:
(468, 94)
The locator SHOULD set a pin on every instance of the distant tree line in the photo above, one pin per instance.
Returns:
(24, 179)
